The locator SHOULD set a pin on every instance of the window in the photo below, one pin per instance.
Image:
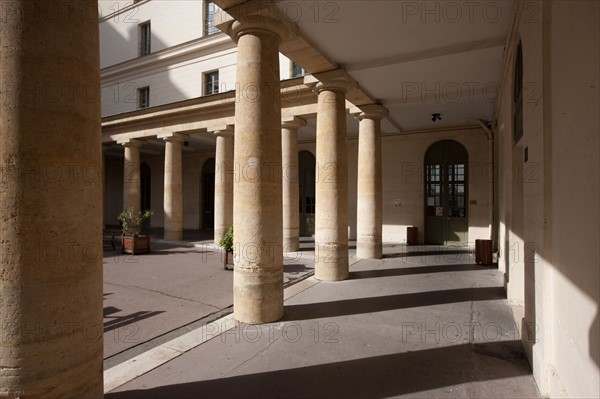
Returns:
(145, 39)
(210, 9)
(211, 83)
(144, 97)
(457, 205)
(518, 96)
(297, 71)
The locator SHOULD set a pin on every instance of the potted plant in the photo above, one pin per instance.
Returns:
(226, 243)
(132, 242)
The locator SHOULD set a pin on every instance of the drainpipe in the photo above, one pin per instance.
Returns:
(490, 135)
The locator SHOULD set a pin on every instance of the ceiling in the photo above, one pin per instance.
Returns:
(416, 58)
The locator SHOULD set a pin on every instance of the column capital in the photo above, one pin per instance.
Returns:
(252, 16)
(292, 122)
(222, 130)
(369, 111)
(130, 142)
(172, 136)
(337, 79)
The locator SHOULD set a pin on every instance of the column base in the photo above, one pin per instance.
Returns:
(331, 261)
(173, 235)
(368, 248)
(257, 298)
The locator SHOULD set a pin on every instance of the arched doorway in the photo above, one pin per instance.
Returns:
(306, 174)
(208, 194)
(145, 187)
(446, 196)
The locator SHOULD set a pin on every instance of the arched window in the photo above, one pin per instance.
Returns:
(518, 95)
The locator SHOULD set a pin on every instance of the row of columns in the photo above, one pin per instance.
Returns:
(263, 203)
(333, 167)
(262, 225)
(263, 192)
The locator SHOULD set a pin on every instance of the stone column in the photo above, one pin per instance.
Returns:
(50, 201)
(223, 180)
(257, 204)
(291, 211)
(131, 174)
(369, 197)
(173, 190)
(331, 219)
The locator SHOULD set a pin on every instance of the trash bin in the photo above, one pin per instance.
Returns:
(483, 252)
(412, 236)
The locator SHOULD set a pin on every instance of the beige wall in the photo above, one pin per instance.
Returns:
(403, 182)
(549, 206)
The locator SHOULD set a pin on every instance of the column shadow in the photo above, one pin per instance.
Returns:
(366, 378)
(348, 307)
(407, 271)
(121, 321)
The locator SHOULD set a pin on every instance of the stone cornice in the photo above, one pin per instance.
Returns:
(199, 114)
(169, 57)
(172, 136)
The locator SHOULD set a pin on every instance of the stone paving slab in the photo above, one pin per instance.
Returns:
(410, 326)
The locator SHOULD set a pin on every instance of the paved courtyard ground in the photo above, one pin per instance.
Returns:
(418, 323)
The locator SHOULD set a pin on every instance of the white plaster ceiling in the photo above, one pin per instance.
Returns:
(416, 58)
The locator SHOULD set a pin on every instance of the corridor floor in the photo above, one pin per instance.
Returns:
(418, 324)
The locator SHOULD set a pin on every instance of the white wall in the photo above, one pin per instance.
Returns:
(176, 82)
(172, 22)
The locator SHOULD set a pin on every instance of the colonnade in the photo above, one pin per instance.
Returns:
(256, 175)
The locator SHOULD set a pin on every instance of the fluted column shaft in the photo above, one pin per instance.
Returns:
(223, 181)
(50, 201)
(369, 196)
(331, 219)
(173, 190)
(257, 219)
(131, 175)
(289, 155)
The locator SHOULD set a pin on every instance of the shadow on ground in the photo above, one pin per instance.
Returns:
(406, 271)
(374, 377)
(347, 307)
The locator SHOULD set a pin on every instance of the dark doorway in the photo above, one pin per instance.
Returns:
(145, 187)
(446, 213)
(208, 194)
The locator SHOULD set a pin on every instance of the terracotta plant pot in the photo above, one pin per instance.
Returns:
(228, 261)
(136, 245)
